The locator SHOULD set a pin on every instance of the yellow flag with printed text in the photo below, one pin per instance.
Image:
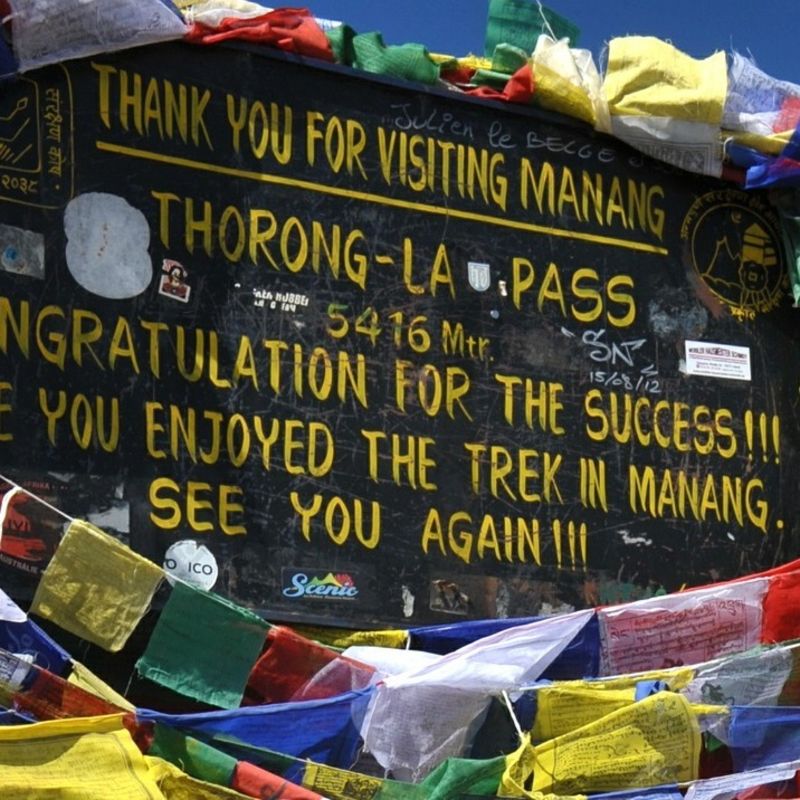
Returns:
(567, 705)
(73, 759)
(177, 785)
(654, 741)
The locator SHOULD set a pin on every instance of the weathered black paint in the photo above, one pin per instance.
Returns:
(629, 554)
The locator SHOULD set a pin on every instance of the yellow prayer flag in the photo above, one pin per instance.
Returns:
(72, 759)
(343, 637)
(96, 587)
(83, 677)
(341, 784)
(654, 741)
(177, 785)
(465, 62)
(560, 710)
(646, 76)
(567, 705)
(771, 145)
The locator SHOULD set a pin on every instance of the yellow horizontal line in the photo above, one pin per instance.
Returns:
(336, 191)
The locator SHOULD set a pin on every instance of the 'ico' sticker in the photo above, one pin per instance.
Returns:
(192, 563)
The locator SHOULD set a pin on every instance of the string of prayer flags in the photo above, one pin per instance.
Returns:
(95, 587)
(203, 646)
(295, 668)
(325, 730)
(71, 758)
(455, 778)
(211, 765)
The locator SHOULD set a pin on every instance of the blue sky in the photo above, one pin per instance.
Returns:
(767, 29)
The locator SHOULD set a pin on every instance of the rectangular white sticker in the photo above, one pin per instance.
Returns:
(718, 360)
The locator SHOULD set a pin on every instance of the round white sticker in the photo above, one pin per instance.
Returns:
(192, 563)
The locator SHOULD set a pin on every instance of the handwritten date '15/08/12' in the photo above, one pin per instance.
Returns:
(646, 381)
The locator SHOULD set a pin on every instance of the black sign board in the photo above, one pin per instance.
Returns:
(374, 355)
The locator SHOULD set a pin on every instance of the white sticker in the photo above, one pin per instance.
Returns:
(718, 360)
(107, 241)
(191, 563)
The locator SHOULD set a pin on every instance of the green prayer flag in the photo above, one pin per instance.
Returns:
(203, 646)
(460, 776)
(277, 763)
(519, 22)
(194, 757)
(340, 39)
(409, 61)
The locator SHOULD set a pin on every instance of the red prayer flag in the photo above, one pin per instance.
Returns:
(292, 29)
(293, 667)
(51, 697)
(257, 782)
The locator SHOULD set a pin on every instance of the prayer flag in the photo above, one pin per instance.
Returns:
(326, 730)
(203, 646)
(652, 742)
(291, 29)
(47, 32)
(343, 638)
(295, 668)
(408, 61)
(419, 719)
(71, 758)
(257, 782)
(683, 628)
(666, 103)
(47, 697)
(195, 758)
(177, 785)
(96, 587)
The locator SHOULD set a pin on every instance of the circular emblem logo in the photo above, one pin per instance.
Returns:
(191, 563)
(735, 247)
